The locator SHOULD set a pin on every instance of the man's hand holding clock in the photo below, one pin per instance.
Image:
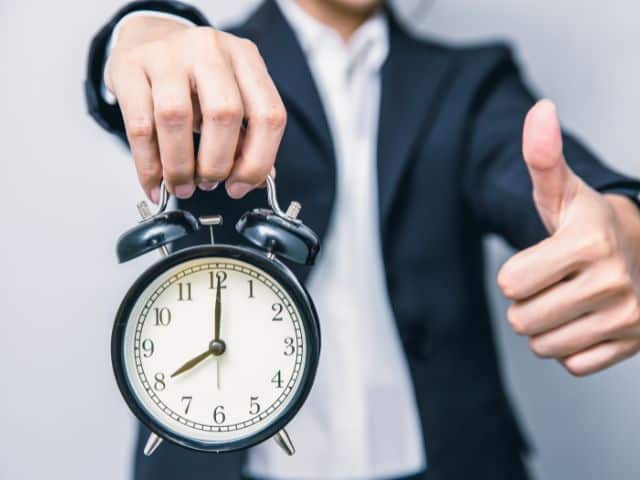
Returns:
(576, 294)
(170, 80)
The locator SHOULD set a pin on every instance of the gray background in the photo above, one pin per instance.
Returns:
(67, 190)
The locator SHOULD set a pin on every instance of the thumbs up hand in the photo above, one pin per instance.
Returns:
(576, 294)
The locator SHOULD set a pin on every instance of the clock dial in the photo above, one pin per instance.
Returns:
(214, 349)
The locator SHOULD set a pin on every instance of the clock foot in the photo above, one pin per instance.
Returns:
(153, 442)
(284, 441)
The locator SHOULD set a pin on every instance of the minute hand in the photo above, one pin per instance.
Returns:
(216, 320)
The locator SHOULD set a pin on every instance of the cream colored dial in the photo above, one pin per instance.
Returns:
(220, 398)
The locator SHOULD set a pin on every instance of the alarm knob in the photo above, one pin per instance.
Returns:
(280, 233)
(155, 230)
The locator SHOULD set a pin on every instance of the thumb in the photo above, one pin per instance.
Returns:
(554, 184)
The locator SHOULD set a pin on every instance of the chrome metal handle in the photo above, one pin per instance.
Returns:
(272, 199)
(164, 199)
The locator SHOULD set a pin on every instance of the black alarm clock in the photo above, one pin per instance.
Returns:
(215, 347)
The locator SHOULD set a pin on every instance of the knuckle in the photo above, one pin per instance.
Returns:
(274, 118)
(620, 277)
(516, 320)
(173, 113)
(624, 350)
(505, 283)
(598, 244)
(149, 171)
(539, 348)
(574, 368)
(206, 36)
(253, 174)
(615, 280)
(141, 128)
(215, 172)
(225, 114)
(248, 46)
(606, 326)
(631, 316)
(204, 33)
(177, 171)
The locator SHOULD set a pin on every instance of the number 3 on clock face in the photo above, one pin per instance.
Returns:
(216, 348)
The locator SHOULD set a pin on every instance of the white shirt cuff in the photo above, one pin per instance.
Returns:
(107, 95)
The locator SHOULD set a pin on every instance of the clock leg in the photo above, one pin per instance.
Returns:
(284, 441)
(153, 442)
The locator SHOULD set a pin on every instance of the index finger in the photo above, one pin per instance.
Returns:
(536, 268)
(133, 92)
(266, 119)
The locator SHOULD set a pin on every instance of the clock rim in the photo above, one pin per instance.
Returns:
(273, 267)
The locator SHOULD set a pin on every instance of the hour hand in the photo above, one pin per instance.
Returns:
(191, 363)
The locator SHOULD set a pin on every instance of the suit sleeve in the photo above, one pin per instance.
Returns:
(108, 115)
(496, 182)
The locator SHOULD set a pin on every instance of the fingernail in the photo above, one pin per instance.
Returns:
(185, 190)
(239, 189)
(207, 186)
(154, 194)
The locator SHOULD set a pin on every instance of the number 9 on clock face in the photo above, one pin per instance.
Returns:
(215, 348)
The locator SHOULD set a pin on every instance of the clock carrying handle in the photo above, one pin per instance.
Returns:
(293, 210)
(272, 200)
(164, 200)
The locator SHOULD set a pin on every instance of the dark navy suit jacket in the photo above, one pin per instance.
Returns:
(450, 171)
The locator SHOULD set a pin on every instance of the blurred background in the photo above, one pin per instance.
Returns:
(67, 190)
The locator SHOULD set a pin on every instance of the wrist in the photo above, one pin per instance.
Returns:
(628, 219)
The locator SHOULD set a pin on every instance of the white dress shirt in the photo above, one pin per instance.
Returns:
(360, 420)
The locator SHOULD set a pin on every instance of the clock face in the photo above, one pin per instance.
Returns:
(209, 387)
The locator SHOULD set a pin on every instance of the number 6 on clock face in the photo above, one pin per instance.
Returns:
(216, 347)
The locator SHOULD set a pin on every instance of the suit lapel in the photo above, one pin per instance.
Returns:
(290, 71)
(412, 78)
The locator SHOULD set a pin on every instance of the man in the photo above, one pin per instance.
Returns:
(404, 154)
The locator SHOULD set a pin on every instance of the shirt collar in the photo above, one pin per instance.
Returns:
(369, 44)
